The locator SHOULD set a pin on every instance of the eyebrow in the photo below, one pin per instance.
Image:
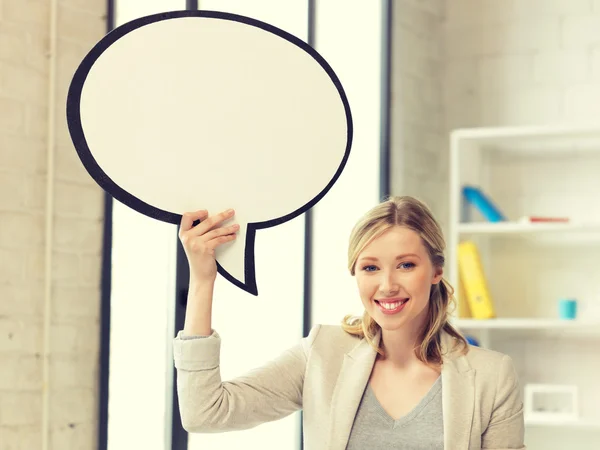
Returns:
(372, 258)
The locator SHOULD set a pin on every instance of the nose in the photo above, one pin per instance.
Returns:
(388, 285)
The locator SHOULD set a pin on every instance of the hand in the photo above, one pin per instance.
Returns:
(200, 241)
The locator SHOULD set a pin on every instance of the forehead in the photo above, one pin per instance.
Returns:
(395, 240)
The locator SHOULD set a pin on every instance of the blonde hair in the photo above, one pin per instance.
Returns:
(413, 214)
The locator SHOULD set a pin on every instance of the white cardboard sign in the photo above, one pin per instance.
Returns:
(191, 110)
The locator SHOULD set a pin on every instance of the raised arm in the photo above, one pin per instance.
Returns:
(199, 243)
(206, 403)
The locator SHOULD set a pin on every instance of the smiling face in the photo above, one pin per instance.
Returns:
(395, 274)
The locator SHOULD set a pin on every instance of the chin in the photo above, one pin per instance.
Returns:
(407, 318)
(391, 324)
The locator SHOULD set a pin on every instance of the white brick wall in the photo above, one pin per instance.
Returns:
(417, 112)
(530, 62)
(76, 241)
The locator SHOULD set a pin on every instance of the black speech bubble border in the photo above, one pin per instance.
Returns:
(85, 155)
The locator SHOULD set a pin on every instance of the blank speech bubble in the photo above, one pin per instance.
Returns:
(191, 110)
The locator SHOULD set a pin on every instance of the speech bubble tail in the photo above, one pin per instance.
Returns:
(236, 263)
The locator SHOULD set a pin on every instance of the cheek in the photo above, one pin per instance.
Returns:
(423, 278)
(422, 283)
(366, 286)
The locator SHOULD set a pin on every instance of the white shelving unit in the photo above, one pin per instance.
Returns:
(500, 228)
(572, 425)
(533, 324)
(535, 171)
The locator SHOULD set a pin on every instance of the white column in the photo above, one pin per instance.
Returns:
(348, 36)
(143, 291)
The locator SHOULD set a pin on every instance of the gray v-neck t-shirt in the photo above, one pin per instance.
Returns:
(420, 429)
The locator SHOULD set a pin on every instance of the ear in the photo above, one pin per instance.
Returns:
(439, 273)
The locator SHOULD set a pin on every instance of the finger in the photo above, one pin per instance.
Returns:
(188, 219)
(210, 223)
(221, 231)
(214, 243)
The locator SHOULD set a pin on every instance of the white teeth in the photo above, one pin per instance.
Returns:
(391, 306)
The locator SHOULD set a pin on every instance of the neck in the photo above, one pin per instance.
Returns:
(399, 346)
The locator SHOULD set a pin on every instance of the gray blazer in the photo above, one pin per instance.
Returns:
(326, 373)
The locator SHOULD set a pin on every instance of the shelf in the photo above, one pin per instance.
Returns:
(580, 424)
(537, 171)
(528, 324)
(500, 228)
(486, 331)
(536, 139)
(520, 132)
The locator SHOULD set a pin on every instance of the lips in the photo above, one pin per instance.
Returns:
(391, 305)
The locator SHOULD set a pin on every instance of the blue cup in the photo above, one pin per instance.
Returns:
(567, 308)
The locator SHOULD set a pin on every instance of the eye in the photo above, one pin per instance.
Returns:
(406, 265)
(370, 268)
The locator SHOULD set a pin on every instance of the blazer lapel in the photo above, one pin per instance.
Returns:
(458, 395)
(458, 398)
(352, 380)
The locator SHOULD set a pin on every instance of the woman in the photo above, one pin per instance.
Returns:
(400, 376)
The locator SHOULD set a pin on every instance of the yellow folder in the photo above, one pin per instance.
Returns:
(474, 282)
(463, 310)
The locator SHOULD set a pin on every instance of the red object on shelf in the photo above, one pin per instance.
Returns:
(539, 219)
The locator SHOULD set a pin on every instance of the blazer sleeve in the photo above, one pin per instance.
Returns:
(506, 429)
(207, 404)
